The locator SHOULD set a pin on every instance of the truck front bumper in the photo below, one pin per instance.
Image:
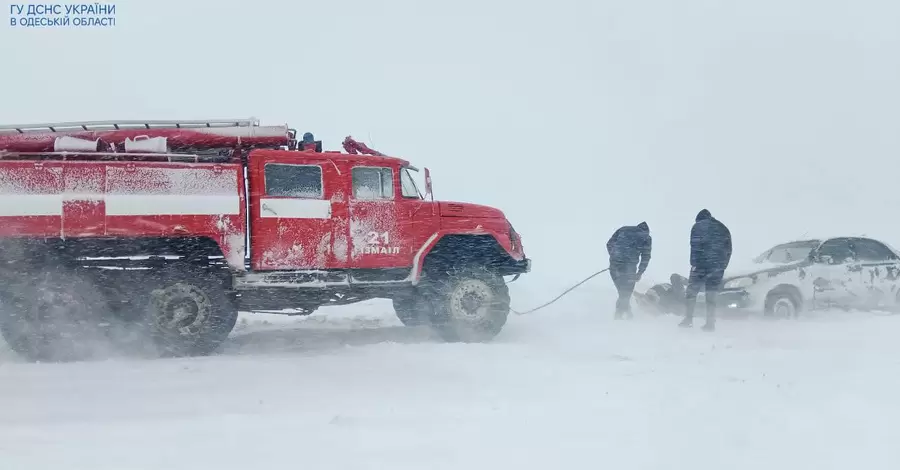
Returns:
(517, 268)
(524, 264)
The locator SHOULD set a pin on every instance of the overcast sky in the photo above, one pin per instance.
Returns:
(781, 117)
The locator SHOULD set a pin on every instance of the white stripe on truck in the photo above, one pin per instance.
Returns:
(126, 191)
(21, 205)
(171, 204)
(24, 205)
(295, 208)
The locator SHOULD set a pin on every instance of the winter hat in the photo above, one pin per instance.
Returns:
(704, 214)
(643, 226)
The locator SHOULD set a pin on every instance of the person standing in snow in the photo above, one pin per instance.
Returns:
(629, 254)
(710, 255)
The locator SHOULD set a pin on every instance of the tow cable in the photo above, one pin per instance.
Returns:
(561, 295)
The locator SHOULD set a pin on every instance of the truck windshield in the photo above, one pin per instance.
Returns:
(408, 185)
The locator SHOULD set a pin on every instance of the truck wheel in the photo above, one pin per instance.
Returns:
(470, 305)
(413, 309)
(190, 314)
(54, 316)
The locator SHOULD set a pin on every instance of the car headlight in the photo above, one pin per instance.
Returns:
(739, 283)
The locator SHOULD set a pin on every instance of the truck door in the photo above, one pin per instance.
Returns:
(380, 230)
(423, 218)
(292, 218)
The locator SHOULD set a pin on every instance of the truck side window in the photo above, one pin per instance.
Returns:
(407, 185)
(300, 181)
(372, 183)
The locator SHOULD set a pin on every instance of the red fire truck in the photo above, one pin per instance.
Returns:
(159, 232)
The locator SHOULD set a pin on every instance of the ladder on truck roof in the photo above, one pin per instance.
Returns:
(209, 137)
(126, 124)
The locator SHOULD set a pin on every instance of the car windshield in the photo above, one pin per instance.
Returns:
(408, 185)
(888, 245)
(788, 252)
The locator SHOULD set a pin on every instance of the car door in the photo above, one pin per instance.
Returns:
(292, 221)
(379, 227)
(879, 271)
(836, 275)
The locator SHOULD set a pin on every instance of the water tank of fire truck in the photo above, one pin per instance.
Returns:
(73, 144)
(143, 143)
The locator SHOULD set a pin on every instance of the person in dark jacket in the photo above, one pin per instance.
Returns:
(629, 254)
(710, 255)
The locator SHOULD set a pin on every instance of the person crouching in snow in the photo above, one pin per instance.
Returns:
(665, 298)
(629, 254)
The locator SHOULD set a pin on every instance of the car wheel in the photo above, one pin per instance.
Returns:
(782, 305)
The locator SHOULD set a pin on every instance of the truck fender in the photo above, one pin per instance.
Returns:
(416, 271)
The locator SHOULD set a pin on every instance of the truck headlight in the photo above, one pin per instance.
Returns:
(513, 237)
(739, 283)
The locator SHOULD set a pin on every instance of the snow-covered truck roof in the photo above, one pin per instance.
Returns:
(143, 136)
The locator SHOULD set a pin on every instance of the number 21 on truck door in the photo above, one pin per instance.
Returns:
(378, 228)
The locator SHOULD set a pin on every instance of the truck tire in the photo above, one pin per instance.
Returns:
(190, 313)
(54, 315)
(413, 309)
(470, 305)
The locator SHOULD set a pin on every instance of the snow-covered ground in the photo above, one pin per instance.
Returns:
(574, 118)
(564, 388)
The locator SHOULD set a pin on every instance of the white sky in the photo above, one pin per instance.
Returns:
(573, 117)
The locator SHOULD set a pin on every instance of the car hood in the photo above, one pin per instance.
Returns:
(762, 268)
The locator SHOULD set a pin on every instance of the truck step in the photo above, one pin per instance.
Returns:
(312, 279)
(292, 279)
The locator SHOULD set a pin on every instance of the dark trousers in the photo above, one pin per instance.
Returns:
(708, 279)
(623, 276)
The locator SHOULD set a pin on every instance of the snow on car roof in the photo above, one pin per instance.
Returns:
(822, 239)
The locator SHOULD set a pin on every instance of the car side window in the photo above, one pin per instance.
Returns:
(299, 181)
(372, 183)
(871, 250)
(782, 255)
(838, 249)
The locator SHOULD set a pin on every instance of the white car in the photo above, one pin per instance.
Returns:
(841, 272)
